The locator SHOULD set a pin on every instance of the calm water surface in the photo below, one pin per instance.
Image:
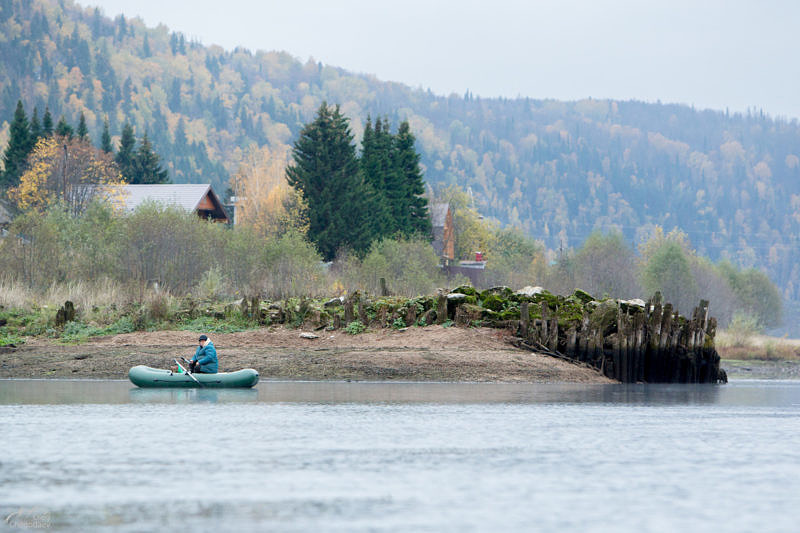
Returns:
(101, 455)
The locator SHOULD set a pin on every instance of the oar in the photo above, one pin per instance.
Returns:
(185, 371)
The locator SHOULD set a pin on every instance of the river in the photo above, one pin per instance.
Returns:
(311, 456)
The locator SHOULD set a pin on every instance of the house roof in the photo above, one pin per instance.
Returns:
(185, 195)
(439, 214)
(189, 196)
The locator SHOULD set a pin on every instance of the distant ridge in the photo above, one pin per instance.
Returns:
(556, 169)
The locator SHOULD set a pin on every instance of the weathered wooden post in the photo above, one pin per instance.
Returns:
(524, 319)
(553, 328)
(545, 322)
(349, 313)
(441, 307)
(572, 341)
(639, 326)
(65, 314)
(663, 343)
(584, 338)
(411, 315)
(362, 311)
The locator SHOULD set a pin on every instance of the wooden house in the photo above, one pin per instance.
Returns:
(194, 198)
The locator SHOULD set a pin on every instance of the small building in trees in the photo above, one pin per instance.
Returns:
(444, 233)
(194, 198)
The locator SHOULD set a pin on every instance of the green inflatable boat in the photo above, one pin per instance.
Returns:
(145, 376)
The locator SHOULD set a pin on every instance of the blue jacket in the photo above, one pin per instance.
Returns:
(206, 357)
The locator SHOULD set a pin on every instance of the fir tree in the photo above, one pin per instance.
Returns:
(376, 166)
(36, 127)
(407, 163)
(394, 190)
(18, 148)
(147, 165)
(83, 131)
(325, 170)
(63, 129)
(126, 155)
(105, 139)
(47, 123)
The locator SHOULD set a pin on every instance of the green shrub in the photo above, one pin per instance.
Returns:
(355, 327)
(211, 284)
(207, 324)
(7, 339)
(123, 325)
(78, 331)
(398, 323)
(742, 328)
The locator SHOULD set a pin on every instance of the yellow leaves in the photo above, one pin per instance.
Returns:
(64, 170)
(265, 201)
(31, 193)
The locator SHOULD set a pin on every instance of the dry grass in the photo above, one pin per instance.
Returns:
(85, 295)
(757, 347)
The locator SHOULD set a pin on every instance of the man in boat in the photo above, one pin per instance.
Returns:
(205, 358)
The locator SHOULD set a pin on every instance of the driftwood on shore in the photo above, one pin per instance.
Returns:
(627, 340)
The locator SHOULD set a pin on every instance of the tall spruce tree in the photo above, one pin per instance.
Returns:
(47, 123)
(83, 131)
(19, 146)
(394, 184)
(147, 165)
(417, 219)
(63, 129)
(375, 164)
(105, 139)
(36, 127)
(126, 156)
(326, 171)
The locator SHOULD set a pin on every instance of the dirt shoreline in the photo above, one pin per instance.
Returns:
(434, 353)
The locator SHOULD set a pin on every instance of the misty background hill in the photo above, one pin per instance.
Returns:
(556, 169)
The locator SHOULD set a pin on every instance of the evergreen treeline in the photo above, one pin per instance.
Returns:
(354, 201)
(137, 165)
(557, 170)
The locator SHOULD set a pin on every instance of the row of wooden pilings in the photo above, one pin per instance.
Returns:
(649, 344)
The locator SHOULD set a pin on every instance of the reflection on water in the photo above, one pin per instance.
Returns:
(334, 456)
(192, 395)
(27, 391)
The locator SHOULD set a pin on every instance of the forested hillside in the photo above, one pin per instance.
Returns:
(557, 170)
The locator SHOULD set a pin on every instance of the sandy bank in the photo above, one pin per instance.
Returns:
(433, 353)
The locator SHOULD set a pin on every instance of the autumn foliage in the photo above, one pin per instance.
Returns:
(264, 200)
(65, 170)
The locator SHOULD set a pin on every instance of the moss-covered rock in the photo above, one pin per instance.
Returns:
(493, 302)
(546, 296)
(582, 296)
(511, 313)
(489, 315)
(502, 291)
(469, 290)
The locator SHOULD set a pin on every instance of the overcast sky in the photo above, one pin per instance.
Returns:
(712, 54)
